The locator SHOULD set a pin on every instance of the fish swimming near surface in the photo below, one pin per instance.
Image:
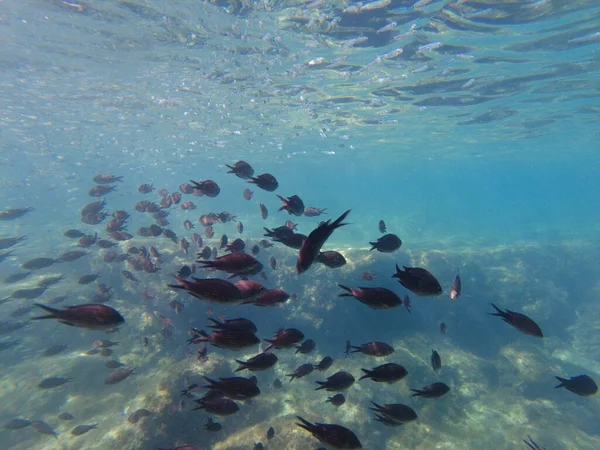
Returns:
(241, 169)
(93, 316)
(521, 322)
(386, 244)
(265, 181)
(312, 245)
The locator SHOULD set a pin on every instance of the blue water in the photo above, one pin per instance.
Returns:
(481, 155)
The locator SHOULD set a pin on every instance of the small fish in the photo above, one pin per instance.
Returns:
(337, 400)
(456, 287)
(43, 428)
(65, 416)
(114, 364)
(15, 213)
(443, 328)
(119, 375)
(73, 234)
(306, 347)
(582, 385)
(324, 364)
(87, 279)
(240, 227)
(265, 181)
(382, 227)
(436, 361)
(434, 390)
(302, 371)
(264, 212)
(277, 384)
(16, 424)
(53, 382)
(212, 426)
(339, 381)
(91, 316)
(82, 429)
(348, 348)
(387, 243)
(248, 194)
(270, 433)
(407, 304)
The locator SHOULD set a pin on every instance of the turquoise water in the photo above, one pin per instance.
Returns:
(480, 153)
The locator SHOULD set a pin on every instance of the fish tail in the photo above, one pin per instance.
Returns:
(374, 246)
(499, 313)
(346, 288)
(53, 313)
(367, 374)
(417, 392)
(215, 322)
(321, 385)
(563, 382)
(242, 366)
(231, 167)
(305, 424)
(338, 222)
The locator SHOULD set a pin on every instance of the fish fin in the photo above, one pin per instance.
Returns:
(54, 312)
(49, 316)
(374, 246)
(417, 393)
(215, 322)
(563, 382)
(368, 374)
(67, 323)
(321, 385)
(346, 288)
(500, 313)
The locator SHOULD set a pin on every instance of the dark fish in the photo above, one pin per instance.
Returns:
(138, 414)
(284, 338)
(53, 382)
(237, 246)
(92, 316)
(119, 375)
(230, 339)
(43, 428)
(306, 347)
(248, 194)
(100, 190)
(270, 433)
(407, 303)
(224, 241)
(434, 390)
(337, 400)
(235, 388)
(265, 181)
(520, 321)
(54, 350)
(418, 280)
(262, 361)
(184, 272)
(240, 227)
(73, 234)
(218, 406)
(9, 242)
(396, 411)
(582, 385)
(211, 289)
(250, 289)
(324, 364)
(105, 243)
(233, 324)
(9, 327)
(127, 274)
(106, 178)
(114, 364)
(86, 241)
(374, 349)
(339, 381)
(335, 436)
(72, 255)
(456, 287)
(315, 240)
(531, 444)
(264, 212)
(314, 212)
(443, 328)
(375, 298)
(241, 169)
(16, 424)
(272, 297)
(212, 426)
(292, 240)
(386, 373)
(277, 384)
(259, 446)
(145, 188)
(382, 227)
(145, 341)
(66, 416)
(90, 278)
(302, 371)
(28, 293)
(106, 352)
(82, 429)
(15, 213)
(387, 243)
(347, 349)
(16, 277)
(273, 263)
(235, 264)
(436, 361)
(293, 205)
(331, 259)
(206, 187)
(49, 281)
(39, 263)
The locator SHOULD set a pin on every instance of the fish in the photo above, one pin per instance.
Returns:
(103, 343)
(521, 322)
(100, 190)
(248, 194)
(407, 303)
(324, 364)
(271, 297)
(212, 426)
(206, 187)
(339, 381)
(386, 373)
(284, 338)
(336, 436)
(240, 227)
(443, 328)
(138, 414)
(73, 234)
(234, 388)
(336, 400)
(224, 241)
(582, 385)
(87, 279)
(234, 263)
(396, 411)
(374, 298)
(302, 371)
(92, 316)
(113, 364)
(418, 280)
(233, 324)
(293, 205)
(66, 416)
(270, 433)
(250, 289)
(39, 263)
(277, 384)
(16, 424)
(260, 362)
(14, 213)
(312, 245)
(211, 289)
(241, 169)
(434, 390)
(145, 188)
(49, 281)
(218, 406)
(264, 212)
(331, 259)
(10, 242)
(82, 429)
(119, 375)
(52, 382)
(386, 244)
(306, 347)
(436, 361)
(72, 255)
(16, 277)
(314, 212)
(131, 277)
(28, 293)
(230, 339)
(382, 227)
(106, 178)
(265, 181)
(373, 348)
(43, 428)
(456, 287)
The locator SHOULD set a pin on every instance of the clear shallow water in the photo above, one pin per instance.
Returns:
(480, 154)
